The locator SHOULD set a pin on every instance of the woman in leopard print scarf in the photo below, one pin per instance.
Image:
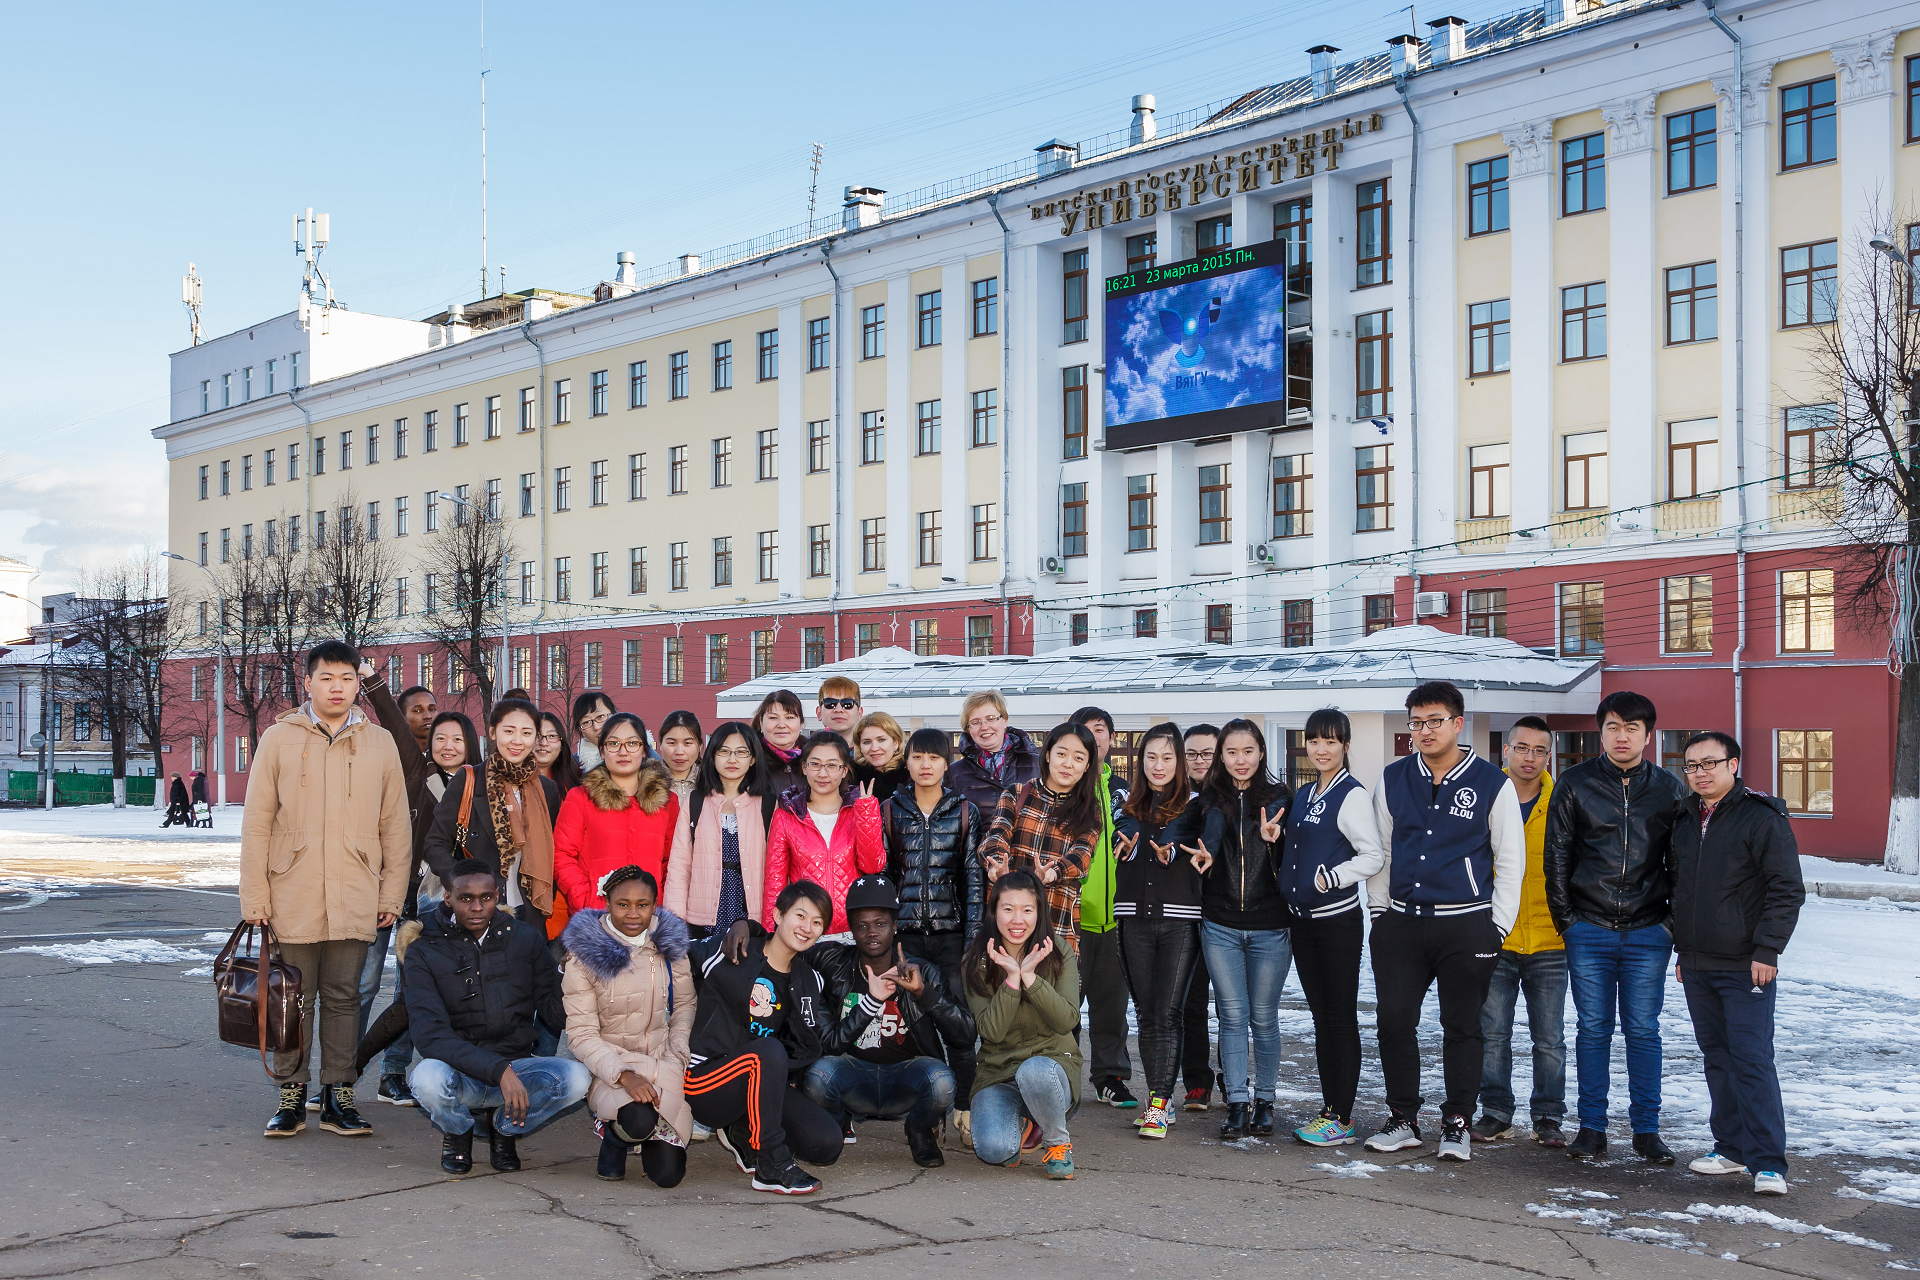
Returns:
(510, 823)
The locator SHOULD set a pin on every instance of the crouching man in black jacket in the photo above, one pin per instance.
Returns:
(1737, 894)
(475, 981)
(891, 1021)
(762, 1008)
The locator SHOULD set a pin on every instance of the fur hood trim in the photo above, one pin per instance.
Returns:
(586, 939)
(655, 789)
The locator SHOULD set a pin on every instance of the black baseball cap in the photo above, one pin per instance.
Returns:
(873, 891)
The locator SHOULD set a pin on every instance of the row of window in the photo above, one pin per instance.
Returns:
(1803, 763)
(239, 388)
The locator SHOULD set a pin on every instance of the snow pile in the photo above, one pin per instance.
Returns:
(1667, 1215)
(1585, 1217)
(1747, 1215)
(1653, 1235)
(1575, 1193)
(113, 951)
(1351, 1169)
(1888, 1186)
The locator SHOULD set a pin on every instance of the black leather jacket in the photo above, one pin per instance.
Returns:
(932, 1018)
(1606, 846)
(1737, 891)
(1241, 890)
(935, 861)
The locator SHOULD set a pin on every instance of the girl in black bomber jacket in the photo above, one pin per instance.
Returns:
(1157, 905)
(757, 1029)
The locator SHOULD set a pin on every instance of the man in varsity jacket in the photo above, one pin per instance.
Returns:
(1442, 905)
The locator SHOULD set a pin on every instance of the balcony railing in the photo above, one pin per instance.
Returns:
(1580, 529)
(1477, 537)
(1804, 506)
(1687, 517)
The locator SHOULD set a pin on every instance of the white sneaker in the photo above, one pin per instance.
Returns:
(1399, 1133)
(1769, 1184)
(1714, 1163)
(1456, 1140)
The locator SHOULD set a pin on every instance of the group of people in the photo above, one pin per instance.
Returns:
(187, 803)
(764, 935)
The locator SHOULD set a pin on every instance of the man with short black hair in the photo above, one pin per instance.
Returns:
(325, 852)
(1196, 1046)
(1442, 905)
(887, 1022)
(1103, 976)
(1607, 886)
(476, 979)
(1737, 895)
(1534, 960)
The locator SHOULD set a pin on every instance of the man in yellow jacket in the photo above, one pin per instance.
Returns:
(325, 852)
(1533, 960)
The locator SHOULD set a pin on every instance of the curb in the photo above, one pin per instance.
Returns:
(1864, 890)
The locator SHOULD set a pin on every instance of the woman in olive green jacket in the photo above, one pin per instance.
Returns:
(1025, 996)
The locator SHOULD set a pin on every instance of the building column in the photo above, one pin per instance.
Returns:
(956, 423)
(1530, 213)
(901, 531)
(793, 451)
(1757, 272)
(1637, 477)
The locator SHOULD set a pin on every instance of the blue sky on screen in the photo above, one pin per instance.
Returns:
(1241, 357)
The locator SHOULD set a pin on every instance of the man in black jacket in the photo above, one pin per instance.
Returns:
(1737, 894)
(475, 980)
(891, 1021)
(1607, 887)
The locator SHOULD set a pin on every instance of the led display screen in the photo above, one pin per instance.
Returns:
(1197, 348)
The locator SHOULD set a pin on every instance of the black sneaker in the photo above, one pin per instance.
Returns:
(291, 1117)
(1198, 1099)
(1113, 1091)
(1587, 1144)
(1492, 1129)
(1649, 1148)
(337, 1114)
(1261, 1126)
(393, 1089)
(733, 1139)
(847, 1136)
(791, 1180)
(1548, 1133)
(925, 1146)
(456, 1153)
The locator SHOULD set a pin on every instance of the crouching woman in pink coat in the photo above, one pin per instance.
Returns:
(630, 1004)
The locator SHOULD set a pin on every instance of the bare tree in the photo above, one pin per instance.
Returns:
(464, 603)
(244, 636)
(286, 615)
(118, 635)
(352, 573)
(1868, 361)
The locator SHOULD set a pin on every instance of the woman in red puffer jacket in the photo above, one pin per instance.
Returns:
(622, 814)
(827, 831)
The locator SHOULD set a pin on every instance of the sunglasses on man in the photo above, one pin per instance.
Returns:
(839, 704)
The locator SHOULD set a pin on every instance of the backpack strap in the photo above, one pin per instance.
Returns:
(696, 801)
(768, 803)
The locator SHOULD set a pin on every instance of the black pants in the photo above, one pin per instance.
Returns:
(1159, 956)
(1411, 954)
(944, 951)
(1326, 955)
(1103, 983)
(664, 1162)
(782, 1123)
(1196, 1045)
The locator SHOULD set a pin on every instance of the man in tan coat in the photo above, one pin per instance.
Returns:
(325, 849)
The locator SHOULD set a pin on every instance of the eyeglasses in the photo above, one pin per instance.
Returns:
(1530, 753)
(1431, 723)
(622, 746)
(826, 766)
(839, 704)
(1704, 766)
(986, 721)
(733, 753)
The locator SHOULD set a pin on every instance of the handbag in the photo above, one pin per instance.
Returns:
(256, 1013)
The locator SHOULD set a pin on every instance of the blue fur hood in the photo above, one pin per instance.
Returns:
(587, 940)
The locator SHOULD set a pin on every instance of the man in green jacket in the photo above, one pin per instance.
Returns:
(1103, 978)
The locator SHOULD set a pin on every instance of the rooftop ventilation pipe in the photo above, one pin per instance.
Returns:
(1406, 54)
(861, 208)
(1143, 129)
(1449, 40)
(1056, 156)
(1320, 59)
(624, 269)
(689, 264)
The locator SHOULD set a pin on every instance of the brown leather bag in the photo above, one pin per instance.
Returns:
(468, 785)
(256, 1014)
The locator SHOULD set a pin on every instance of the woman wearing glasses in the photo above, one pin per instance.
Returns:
(622, 814)
(591, 710)
(719, 861)
(829, 833)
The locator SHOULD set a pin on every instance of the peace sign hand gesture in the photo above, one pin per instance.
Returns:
(1202, 860)
(1123, 847)
(865, 789)
(1272, 830)
(1164, 852)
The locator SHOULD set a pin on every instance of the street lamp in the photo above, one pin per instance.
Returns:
(506, 622)
(219, 683)
(46, 693)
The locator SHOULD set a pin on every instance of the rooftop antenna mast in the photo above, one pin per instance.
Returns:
(190, 294)
(310, 238)
(483, 148)
(813, 192)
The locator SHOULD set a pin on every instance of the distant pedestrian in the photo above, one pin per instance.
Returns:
(325, 851)
(179, 806)
(1737, 895)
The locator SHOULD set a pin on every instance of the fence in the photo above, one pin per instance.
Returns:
(76, 788)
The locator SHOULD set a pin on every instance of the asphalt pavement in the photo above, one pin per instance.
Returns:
(133, 1148)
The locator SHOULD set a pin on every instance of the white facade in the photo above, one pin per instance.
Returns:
(304, 346)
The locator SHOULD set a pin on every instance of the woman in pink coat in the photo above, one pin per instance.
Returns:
(828, 834)
(719, 858)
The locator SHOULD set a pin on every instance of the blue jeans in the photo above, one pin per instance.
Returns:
(1734, 1024)
(921, 1089)
(554, 1087)
(1249, 971)
(1628, 971)
(1038, 1092)
(1543, 976)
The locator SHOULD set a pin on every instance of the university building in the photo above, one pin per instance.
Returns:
(1503, 330)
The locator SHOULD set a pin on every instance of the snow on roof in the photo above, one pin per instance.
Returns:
(1393, 660)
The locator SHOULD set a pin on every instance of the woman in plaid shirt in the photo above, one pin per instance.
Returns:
(1048, 826)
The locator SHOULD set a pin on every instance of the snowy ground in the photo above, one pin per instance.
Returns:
(98, 844)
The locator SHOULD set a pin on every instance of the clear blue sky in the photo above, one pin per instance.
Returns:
(143, 137)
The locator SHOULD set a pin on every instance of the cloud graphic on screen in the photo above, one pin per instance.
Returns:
(1156, 366)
